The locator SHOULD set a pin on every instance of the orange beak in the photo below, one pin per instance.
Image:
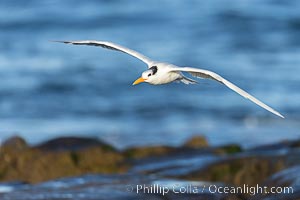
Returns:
(139, 80)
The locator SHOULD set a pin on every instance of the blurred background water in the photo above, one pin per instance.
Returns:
(49, 89)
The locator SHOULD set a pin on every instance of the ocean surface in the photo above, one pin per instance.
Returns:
(50, 89)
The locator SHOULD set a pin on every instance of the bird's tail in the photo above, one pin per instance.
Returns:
(187, 80)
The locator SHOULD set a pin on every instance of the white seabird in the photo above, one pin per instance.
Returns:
(162, 73)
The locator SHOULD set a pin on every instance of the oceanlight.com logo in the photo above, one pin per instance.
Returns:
(252, 190)
(213, 189)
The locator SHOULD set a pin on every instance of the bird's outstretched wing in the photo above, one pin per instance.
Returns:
(201, 73)
(111, 46)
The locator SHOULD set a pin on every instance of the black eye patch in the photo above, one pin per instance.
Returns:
(154, 69)
(149, 75)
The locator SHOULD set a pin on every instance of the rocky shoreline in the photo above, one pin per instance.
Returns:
(194, 161)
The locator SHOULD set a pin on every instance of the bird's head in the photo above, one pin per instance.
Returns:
(147, 76)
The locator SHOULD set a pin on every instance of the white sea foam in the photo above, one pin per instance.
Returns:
(6, 188)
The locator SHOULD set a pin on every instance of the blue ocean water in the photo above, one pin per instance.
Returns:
(49, 89)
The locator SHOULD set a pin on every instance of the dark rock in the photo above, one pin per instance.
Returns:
(295, 144)
(196, 142)
(284, 144)
(73, 144)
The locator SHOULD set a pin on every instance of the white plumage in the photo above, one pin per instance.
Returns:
(162, 73)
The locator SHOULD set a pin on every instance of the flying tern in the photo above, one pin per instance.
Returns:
(162, 73)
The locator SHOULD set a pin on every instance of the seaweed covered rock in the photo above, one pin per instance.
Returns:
(142, 152)
(192, 145)
(14, 143)
(239, 171)
(49, 161)
(228, 149)
(196, 142)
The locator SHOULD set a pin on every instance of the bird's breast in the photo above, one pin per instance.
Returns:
(166, 77)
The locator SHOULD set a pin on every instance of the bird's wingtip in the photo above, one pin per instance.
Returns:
(60, 41)
(283, 117)
(280, 115)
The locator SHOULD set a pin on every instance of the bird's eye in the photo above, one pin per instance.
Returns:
(149, 75)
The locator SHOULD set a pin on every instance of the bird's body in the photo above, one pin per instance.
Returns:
(162, 73)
